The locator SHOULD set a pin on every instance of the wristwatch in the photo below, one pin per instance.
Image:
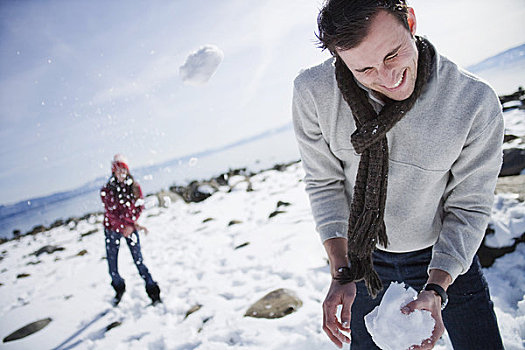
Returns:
(439, 291)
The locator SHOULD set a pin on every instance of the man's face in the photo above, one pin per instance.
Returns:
(386, 60)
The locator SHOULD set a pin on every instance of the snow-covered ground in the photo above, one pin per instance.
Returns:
(190, 251)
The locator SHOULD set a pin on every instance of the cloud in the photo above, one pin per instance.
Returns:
(201, 65)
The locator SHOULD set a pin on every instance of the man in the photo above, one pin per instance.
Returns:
(401, 150)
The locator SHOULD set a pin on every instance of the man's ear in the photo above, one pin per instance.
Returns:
(411, 18)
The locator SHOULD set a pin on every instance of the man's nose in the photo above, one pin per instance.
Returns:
(387, 75)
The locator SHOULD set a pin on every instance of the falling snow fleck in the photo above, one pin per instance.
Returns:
(193, 161)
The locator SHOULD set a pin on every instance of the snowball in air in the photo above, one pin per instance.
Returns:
(201, 65)
(390, 328)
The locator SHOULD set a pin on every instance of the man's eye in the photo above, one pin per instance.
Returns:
(389, 58)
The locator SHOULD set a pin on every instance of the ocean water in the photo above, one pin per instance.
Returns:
(257, 153)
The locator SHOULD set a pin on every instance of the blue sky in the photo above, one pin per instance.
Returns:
(82, 80)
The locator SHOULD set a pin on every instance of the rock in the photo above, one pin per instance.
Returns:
(487, 255)
(203, 323)
(193, 309)
(49, 249)
(234, 222)
(28, 330)
(56, 223)
(195, 192)
(283, 204)
(221, 180)
(509, 137)
(167, 197)
(82, 252)
(113, 325)
(37, 229)
(277, 212)
(242, 245)
(518, 96)
(89, 232)
(512, 184)
(513, 161)
(276, 304)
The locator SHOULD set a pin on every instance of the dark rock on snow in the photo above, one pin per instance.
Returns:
(242, 245)
(28, 330)
(49, 249)
(82, 252)
(234, 222)
(276, 304)
(113, 325)
(274, 213)
(513, 161)
(487, 255)
(89, 232)
(193, 309)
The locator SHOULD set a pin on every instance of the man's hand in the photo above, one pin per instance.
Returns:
(338, 295)
(430, 301)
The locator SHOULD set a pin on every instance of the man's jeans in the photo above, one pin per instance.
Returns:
(112, 248)
(469, 316)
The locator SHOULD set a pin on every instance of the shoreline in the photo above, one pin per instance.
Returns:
(189, 193)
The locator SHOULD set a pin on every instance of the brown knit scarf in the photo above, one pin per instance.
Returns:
(366, 226)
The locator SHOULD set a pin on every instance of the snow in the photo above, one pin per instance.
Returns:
(507, 220)
(195, 262)
(200, 65)
(515, 122)
(393, 330)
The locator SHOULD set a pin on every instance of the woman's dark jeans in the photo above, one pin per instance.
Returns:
(469, 316)
(112, 248)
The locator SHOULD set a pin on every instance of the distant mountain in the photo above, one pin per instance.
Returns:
(505, 59)
(504, 71)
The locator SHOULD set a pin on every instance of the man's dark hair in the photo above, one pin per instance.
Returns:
(343, 24)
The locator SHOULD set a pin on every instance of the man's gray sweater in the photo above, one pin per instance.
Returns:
(445, 156)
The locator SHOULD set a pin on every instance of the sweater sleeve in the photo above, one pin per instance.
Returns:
(324, 171)
(470, 195)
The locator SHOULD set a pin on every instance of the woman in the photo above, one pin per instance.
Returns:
(122, 199)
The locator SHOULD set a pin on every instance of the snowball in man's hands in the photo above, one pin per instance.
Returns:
(390, 328)
(201, 65)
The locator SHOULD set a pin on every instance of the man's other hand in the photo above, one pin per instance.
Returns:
(338, 294)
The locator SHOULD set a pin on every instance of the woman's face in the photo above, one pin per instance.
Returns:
(121, 173)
